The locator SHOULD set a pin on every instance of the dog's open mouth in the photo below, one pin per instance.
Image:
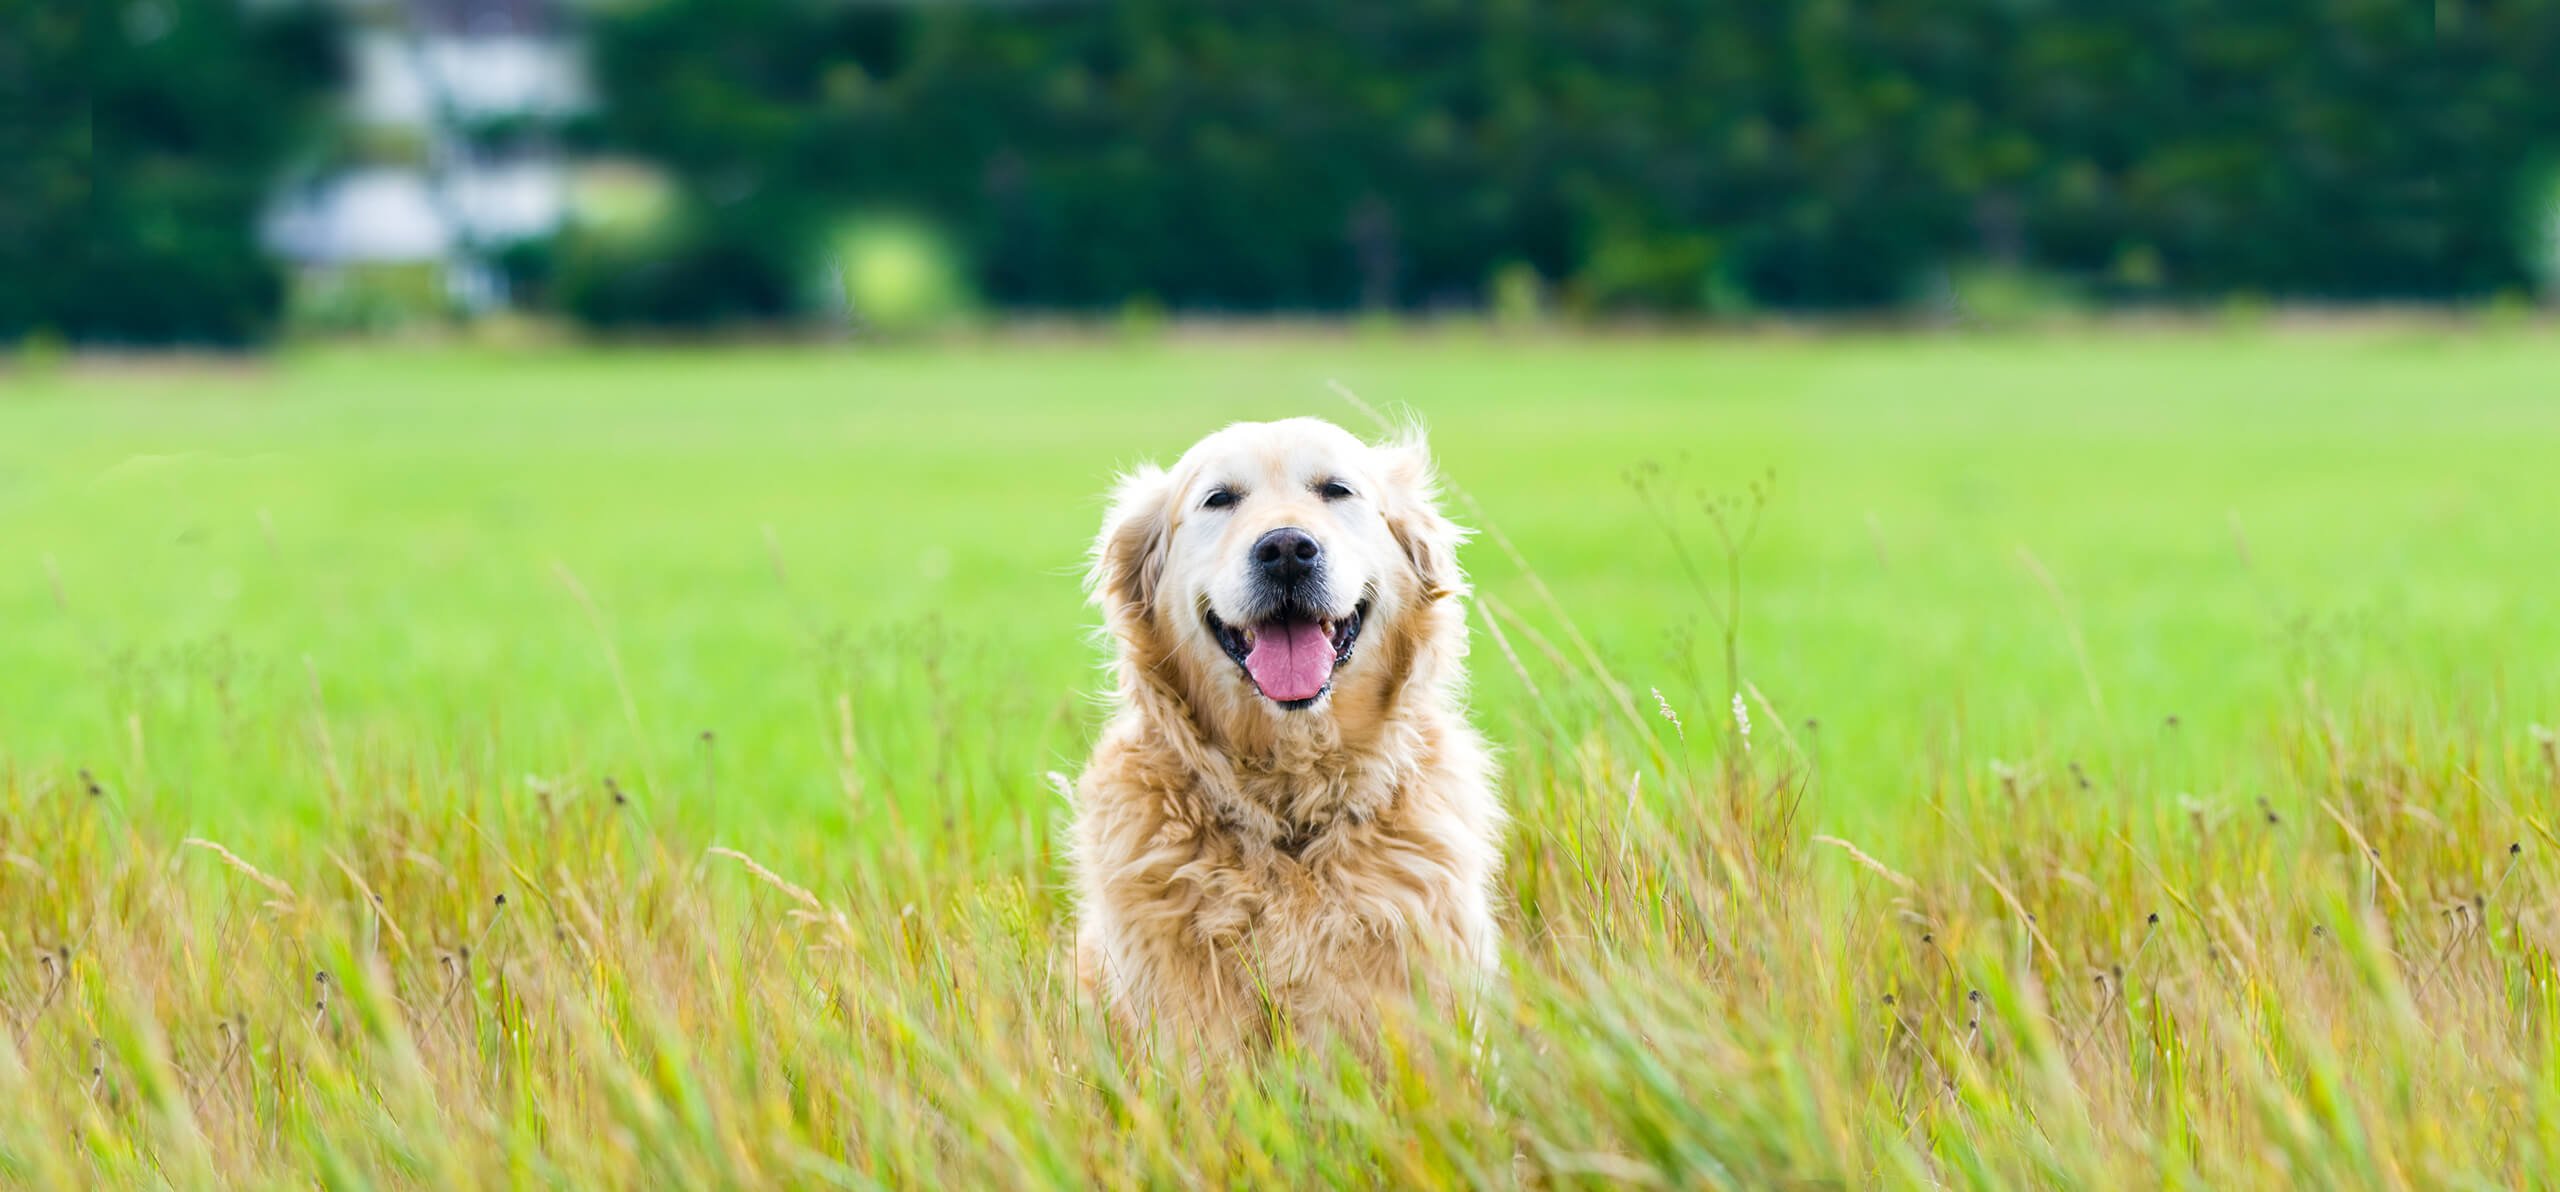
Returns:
(1291, 657)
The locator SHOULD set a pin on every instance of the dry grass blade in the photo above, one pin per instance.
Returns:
(2025, 920)
(373, 901)
(2372, 856)
(273, 885)
(797, 893)
(1861, 857)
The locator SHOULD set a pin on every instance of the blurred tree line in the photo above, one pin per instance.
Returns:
(1660, 155)
(1646, 155)
(137, 145)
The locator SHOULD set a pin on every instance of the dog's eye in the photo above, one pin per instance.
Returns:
(1220, 499)
(1334, 490)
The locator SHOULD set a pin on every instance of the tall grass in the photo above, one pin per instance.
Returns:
(2057, 972)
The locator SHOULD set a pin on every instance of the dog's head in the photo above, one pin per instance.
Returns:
(1285, 566)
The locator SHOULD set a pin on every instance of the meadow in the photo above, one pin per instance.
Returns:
(635, 767)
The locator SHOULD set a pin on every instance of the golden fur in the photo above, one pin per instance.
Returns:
(1241, 865)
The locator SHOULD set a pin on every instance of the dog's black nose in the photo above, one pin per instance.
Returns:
(1286, 554)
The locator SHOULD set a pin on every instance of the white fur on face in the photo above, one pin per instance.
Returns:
(1276, 472)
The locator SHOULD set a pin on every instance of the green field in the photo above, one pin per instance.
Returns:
(2222, 519)
(2059, 611)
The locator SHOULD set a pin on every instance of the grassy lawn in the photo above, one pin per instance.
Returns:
(2036, 622)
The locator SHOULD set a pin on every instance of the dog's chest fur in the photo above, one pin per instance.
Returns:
(1297, 901)
(1313, 892)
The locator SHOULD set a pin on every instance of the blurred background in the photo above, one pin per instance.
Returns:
(225, 172)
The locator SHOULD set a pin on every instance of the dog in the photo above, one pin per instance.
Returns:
(1287, 826)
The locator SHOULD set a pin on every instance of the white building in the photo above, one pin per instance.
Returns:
(425, 75)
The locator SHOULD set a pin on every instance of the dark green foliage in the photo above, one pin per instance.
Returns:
(140, 140)
(44, 156)
(698, 272)
(1651, 154)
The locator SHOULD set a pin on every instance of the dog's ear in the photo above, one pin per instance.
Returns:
(1128, 557)
(1411, 503)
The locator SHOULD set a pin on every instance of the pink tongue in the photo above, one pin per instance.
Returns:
(1291, 660)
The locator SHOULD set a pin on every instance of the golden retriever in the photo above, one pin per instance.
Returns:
(1288, 823)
